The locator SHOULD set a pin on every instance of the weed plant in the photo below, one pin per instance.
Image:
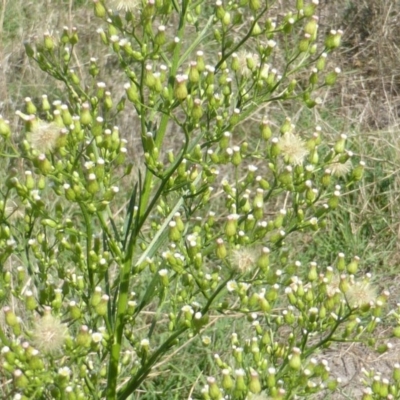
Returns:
(120, 270)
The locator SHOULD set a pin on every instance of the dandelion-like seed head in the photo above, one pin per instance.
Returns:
(340, 169)
(244, 58)
(361, 294)
(332, 288)
(293, 148)
(260, 396)
(44, 136)
(12, 210)
(243, 260)
(125, 5)
(49, 334)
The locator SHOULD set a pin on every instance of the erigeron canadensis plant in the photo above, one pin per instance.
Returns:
(95, 304)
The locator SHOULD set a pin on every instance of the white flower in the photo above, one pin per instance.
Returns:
(231, 286)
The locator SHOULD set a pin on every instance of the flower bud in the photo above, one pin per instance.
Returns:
(240, 384)
(321, 62)
(221, 251)
(295, 359)
(180, 90)
(48, 42)
(101, 308)
(358, 171)
(227, 381)
(330, 78)
(20, 379)
(254, 384)
(333, 39)
(86, 117)
(231, 225)
(352, 268)
(99, 9)
(174, 234)
(213, 389)
(44, 165)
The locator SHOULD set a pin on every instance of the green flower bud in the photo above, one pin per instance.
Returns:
(21, 381)
(99, 9)
(227, 381)
(86, 117)
(333, 202)
(48, 42)
(74, 311)
(29, 106)
(333, 39)
(231, 225)
(352, 268)
(396, 371)
(291, 297)
(321, 62)
(29, 181)
(295, 359)
(5, 130)
(226, 20)
(314, 76)
(92, 185)
(271, 381)
(254, 5)
(93, 67)
(312, 26)
(101, 308)
(201, 66)
(180, 90)
(254, 384)
(330, 78)
(240, 384)
(213, 389)
(236, 156)
(174, 233)
(304, 43)
(96, 297)
(160, 37)
(194, 74)
(221, 251)
(44, 165)
(219, 10)
(74, 36)
(163, 273)
(10, 318)
(256, 30)
(309, 9)
(108, 103)
(358, 171)
(197, 110)
(313, 273)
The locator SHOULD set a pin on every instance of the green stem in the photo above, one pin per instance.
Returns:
(134, 382)
(89, 234)
(119, 329)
